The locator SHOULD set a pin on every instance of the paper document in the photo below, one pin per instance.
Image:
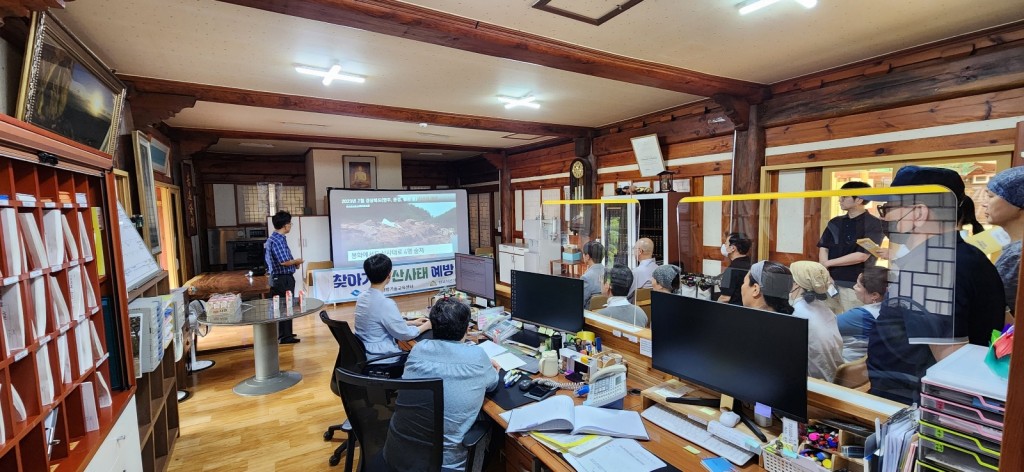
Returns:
(508, 361)
(492, 349)
(616, 456)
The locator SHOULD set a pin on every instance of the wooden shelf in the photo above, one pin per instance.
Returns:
(34, 295)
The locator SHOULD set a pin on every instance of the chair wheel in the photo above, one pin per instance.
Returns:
(334, 460)
(328, 435)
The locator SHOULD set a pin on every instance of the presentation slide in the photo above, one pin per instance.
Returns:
(408, 226)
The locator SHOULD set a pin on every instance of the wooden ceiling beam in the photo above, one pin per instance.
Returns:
(253, 98)
(24, 8)
(413, 22)
(377, 143)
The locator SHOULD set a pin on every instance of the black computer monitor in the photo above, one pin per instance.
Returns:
(748, 354)
(548, 300)
(474, 275)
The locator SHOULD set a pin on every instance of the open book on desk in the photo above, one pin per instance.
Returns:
(559, 414)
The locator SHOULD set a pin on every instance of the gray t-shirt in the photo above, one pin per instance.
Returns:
(1008, 266)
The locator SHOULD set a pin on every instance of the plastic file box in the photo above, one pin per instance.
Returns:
(963, 397)
(976, 415)
(947, 456)
(961, 425)
(981, 446)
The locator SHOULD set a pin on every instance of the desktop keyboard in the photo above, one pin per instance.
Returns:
(691, 431)
(414, 314)
(612, 322)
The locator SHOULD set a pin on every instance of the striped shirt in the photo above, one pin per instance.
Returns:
(277, 252)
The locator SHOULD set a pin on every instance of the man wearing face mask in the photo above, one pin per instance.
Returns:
(735, 248)
(839, 252)
(942, 291)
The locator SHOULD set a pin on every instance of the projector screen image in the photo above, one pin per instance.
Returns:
(408, 226)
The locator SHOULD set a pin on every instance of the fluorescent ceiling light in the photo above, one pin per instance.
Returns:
(334, 73)
(754, 5)
(525, 101)
(256, 145)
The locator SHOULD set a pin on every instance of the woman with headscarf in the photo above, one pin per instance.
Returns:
(1005, 207)
(807, 297)
(666, 279)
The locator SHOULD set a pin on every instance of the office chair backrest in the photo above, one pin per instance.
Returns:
(351, 352)
(415, 405)
(598, 302)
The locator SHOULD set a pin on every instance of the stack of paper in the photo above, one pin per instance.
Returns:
(25, 197)
(38, 289)
(81, 199)
(84, 344)
(76, 295)
(92, 419)
(104, 391)
(46, 390)
(53, 233)
(69, 238)
(84, 237)
(33, 241)
(90, 293)
(500, 354)
(11, 310)
(11, 241)
(616, 456)
(97, 345)
(60, 305)
(20, 413)
(64, 355)
(575, 444)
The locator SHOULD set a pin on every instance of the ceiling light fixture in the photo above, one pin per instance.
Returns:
(330, 75)
(256, 145)
(754, 5)
(524, 101)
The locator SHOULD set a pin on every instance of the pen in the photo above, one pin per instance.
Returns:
(597, 344)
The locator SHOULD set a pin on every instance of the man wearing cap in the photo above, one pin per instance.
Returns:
(839, 252)
(942, 291)
(1005, 207)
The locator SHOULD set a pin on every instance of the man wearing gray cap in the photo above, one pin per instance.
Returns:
(1005, 207)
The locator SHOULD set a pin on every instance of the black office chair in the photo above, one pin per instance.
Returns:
(352, 356)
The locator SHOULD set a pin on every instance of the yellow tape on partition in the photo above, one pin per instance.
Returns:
(592, 201)
(859, 192)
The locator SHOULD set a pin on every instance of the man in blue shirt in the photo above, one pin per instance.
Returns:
(378, 323)
(467, 374)
(281, 269)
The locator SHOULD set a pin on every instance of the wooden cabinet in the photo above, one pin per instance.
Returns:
(64, 316)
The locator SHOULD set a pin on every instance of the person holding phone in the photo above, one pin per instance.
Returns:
(839, 251)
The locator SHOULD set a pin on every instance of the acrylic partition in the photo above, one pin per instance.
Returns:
(878, 278)
(597, 242)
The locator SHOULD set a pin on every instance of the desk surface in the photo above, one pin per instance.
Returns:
(263, 311)
(667, 446)
(234, 281)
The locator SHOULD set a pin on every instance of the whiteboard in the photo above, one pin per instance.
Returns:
(139, 265)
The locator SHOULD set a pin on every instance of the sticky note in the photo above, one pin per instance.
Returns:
(692, 449)
(708, 411)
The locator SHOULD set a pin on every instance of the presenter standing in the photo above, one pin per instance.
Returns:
(281, 269)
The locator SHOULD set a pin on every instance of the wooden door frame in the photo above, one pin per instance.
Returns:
(174, 193)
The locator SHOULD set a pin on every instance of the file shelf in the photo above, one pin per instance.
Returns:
(54, 353)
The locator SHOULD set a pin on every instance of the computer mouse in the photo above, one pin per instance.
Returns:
(729, 419)
(525, 384)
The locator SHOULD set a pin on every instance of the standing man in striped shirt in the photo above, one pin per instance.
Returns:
(281, 269)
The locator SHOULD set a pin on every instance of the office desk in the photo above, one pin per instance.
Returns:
(667, 446)
(264, 318)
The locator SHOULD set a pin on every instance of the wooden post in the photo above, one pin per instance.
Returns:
(500, 161)
(748, 157)
(1012, 459)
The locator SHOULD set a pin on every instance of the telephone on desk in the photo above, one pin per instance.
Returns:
(607, 386)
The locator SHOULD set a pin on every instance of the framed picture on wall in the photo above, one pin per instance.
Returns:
(160, 154)
(147, 191)
(360, 172)
(67, 90)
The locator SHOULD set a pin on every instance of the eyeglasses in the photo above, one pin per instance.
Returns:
(885, 209)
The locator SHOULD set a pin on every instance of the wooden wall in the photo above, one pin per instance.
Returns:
(417, 173)
(215, 168)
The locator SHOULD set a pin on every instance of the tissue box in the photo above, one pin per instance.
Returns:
(572, 256)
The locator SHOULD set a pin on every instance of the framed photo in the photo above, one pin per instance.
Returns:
(67, 90)
(147, 192)
(188, 190)
(360, 172)
(160, 154)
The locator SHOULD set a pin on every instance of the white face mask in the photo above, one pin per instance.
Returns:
(725, 250)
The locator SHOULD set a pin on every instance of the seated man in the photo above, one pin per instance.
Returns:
(378, 322)
(617, 282)
(855, 325)
(593, 255)
(467, 374)
(645, 265)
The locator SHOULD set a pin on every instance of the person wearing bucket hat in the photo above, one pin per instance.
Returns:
(811, 284)
(1005, 207)
(964, 293)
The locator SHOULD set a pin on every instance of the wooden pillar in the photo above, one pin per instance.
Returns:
(1012, 459)
(748, 158)
(500, 161)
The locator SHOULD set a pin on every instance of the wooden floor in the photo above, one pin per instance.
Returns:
(224, 432)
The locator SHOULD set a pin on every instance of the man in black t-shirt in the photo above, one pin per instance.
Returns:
(735, 248)
(838, 249)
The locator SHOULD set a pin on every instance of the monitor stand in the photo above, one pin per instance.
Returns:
(711, 402)
(529, 338)
(750, 423)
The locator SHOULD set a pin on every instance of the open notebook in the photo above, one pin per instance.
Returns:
(559, 414)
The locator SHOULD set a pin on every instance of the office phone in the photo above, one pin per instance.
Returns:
(607, 386)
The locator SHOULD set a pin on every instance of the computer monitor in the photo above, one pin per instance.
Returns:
(750, 355)
(548, 300)
(474, 275)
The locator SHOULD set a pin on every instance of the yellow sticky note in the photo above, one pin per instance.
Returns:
(708, 411)
(692, 449)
